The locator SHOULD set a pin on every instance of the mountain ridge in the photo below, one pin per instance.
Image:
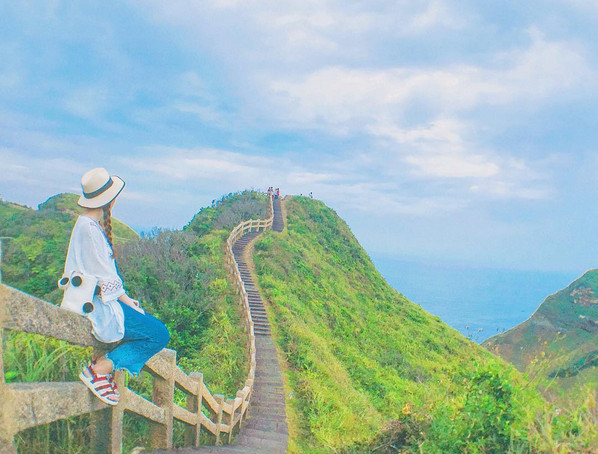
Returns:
(561, 334)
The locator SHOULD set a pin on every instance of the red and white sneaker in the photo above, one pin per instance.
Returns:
(102, 386)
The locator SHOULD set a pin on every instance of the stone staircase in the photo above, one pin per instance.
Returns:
(265, 431)
(256, 305)
(277, 223)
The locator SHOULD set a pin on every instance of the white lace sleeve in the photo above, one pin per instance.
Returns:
(99, 263)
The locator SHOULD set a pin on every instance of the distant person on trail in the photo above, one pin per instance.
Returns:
(277, 193)
(115, 316)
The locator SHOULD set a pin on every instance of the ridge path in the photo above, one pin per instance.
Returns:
(265, 430)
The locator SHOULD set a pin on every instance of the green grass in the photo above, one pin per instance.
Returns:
(360, 355)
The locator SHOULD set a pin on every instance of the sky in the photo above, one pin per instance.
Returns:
(441, 131)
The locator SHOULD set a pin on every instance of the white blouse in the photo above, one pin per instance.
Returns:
(90, 253)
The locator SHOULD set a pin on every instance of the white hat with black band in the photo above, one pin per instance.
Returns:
(99, 188)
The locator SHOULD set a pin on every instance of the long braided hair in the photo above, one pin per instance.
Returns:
(106, 224)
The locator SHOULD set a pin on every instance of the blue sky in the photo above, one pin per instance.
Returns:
(440, 130)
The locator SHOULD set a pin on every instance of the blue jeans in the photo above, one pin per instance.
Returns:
(145, 336)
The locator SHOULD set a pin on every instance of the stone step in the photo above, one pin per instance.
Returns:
(279, 386)
(274, 414)
(273, 391)
(267, 435)
(272, 403)
(258, 442)
(277, 395)
(268, 425)
(266, 350)
(264, 364)
(269, 384)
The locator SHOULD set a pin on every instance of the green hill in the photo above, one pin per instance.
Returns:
(34, 257)
(367, 370)
(560, 340)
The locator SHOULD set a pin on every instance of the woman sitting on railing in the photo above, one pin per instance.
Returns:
(115, 316)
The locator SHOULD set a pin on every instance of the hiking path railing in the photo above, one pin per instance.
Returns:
(25, 405)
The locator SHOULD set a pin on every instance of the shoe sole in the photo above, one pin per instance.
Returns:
(90, 386)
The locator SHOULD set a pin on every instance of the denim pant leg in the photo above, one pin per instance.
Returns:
(145, 336)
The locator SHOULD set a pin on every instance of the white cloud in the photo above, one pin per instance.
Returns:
(310, 178)
(199, 164)
(437, 14)
(342, 97)
(586, 6)
(294, 35)
(447, 131)
(453, 166)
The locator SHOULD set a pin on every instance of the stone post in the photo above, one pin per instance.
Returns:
(194, 403)
(6, 434)
(163, 396)
(107, 424)
(220, 399)
(242, 397)
(231, 402)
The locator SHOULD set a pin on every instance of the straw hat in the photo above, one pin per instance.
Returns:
(99, 188)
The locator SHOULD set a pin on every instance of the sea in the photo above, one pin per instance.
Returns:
(478, 302)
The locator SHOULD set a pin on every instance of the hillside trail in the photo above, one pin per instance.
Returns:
(265, 431)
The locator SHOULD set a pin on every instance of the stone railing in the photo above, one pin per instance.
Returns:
(24, 405)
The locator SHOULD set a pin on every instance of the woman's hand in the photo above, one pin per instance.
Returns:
(124, 298)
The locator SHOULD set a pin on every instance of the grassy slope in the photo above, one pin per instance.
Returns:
(359, 353)
(560, 339)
